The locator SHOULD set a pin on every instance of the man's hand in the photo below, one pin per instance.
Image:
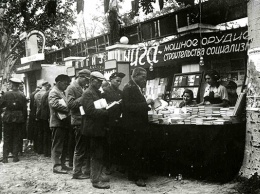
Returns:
(150, 102)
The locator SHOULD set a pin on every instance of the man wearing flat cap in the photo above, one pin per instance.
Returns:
(93, 126)
(81, 160)
(13, 119)
(112, 93)
(39, 130)
(59, 124)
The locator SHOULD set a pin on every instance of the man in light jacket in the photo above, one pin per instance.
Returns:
(59, 123)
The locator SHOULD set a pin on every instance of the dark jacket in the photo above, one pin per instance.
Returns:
(74, 95)
(32, 105)
(45, 109)
(94, 120)
(135, 108)
(113, 94)
(16, 107)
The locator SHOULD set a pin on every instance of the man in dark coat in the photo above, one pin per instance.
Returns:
(32, 117)
(44, 120)
(115, 139)
(39, 131)
(13, 119)
(81, 160)
(135, 121)
(93, 126)
(59, 124)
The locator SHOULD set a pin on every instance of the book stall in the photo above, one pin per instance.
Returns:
(197, 141)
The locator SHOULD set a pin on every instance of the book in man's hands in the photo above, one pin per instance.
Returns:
(113, 104)
(60, 115)
(101, 103)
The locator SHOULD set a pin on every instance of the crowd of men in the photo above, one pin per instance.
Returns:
(65, 122)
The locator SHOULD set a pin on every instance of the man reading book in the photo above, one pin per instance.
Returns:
(114, 136)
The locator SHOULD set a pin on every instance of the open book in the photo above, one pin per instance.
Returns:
(101, 103)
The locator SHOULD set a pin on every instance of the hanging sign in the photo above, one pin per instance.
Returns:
(189, 47)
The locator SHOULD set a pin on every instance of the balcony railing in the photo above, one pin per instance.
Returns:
(157, 28)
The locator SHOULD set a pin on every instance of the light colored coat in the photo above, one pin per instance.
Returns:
(54, 96)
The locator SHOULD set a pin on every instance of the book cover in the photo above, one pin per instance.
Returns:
(197, 80)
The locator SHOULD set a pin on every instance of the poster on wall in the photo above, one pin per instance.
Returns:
(253, 79)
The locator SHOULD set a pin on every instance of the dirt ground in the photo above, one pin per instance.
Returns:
(33, 174)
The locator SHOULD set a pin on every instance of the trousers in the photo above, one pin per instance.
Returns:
(59, 145)
(46, 138)
(96, 158)
(71, 144)
(12, 139)
(39, 137)
(137, 154)
(81, 161)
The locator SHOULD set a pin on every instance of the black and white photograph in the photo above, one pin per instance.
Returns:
(130, 96)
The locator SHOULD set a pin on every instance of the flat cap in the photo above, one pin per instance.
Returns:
(15, 80)
(62, 77)
(44, 83)
(84, 72)
(117, 74)
(97, 75)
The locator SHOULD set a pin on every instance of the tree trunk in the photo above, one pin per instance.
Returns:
(251, 163)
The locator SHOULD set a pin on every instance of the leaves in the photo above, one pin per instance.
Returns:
(25, 15)
(147, 6)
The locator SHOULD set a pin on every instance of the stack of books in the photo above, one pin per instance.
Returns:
(223, 111)
(216, 112)
(201, 111)
(221, 122)
(193, 119)
(208, 111)
(230, 111)
(195, 110)
(187, 121)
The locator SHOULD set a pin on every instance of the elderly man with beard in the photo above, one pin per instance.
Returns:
(81, 160)
(135, 121)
